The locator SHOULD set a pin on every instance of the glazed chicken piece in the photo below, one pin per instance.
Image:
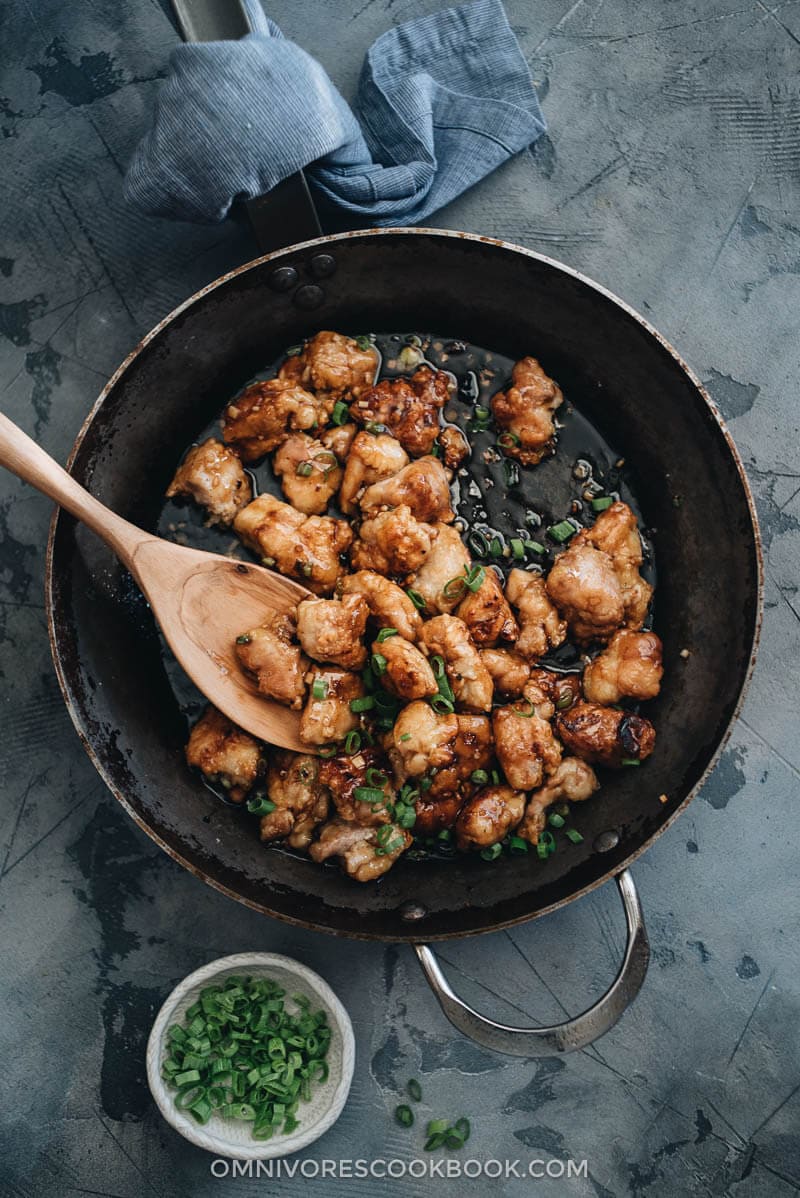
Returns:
(508, 671)
(330, 718)
(389, 605)
(422, 485)
(310, 474)
(573, 780)
(371, 458)
(422, 740)
(391, 543)
(331, 630)
(561, 689)
(366, 853)
(270, 655)
(524, 743)
(526, 410)
(448, 637)
(304, 547)
(454, 446)
(629, 668)
(332, 366)
(487, 614)
(448, 559)
(263, 416)
(473, 749)
(301, 801)
(434, 813)
(224, 754)
(605, 735)
(212, 475)
(616, 533)
(339, 439)
(584, 586)
(407, 407)
(343, 774)
(408, 674)
(488, 816)
(541, 626)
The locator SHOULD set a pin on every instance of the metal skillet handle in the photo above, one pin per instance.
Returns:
(561, 1037)
(287, 213)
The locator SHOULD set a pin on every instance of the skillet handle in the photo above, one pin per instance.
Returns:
(561, 1037)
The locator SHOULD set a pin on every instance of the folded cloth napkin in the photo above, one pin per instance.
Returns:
(441, 102)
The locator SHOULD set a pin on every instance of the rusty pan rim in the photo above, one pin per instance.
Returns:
(326, 240)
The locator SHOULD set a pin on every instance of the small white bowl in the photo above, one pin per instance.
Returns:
(231, 1137)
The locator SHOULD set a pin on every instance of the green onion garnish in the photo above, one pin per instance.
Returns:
(306, 569)
(478, 543)
(517, 845)
(573, 835)
(510, 473)
(375, 427)
(385, 633)
(492, 852)
(260, 805)
(555, 820)
(474, 578)
(496, 547)
(564, 700)
(368, 794)
(304, 469)
(630, 761)
(352, 742)
(562, 531)
(293, 351)
(507, 440)
(406, 736)
(404, 1115)
(341, 413)
(376, 777)
(362, 704)
(363, 341)
(405, 815)
(442, 705)
(546, 845)
(438, 667)
(454, 587)
(517, 548)
(479, 777)
(416, 599)
(535, 546)
(495, 778)
(524, 712)
(319, 690)
(378, 663)
(603, 502)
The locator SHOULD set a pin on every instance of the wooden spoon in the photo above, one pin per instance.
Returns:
(202, 601)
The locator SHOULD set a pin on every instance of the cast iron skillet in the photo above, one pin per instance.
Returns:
(622, 375)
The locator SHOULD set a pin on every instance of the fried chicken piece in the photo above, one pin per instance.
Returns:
(525, 745)
(454, 446)
(332, 366)
(473, 749)
(508, 670)
(330, 719)
(388, 603)
(448, 637)
(487, 614)
(584, 586)
(263, 416)
(526, 411)
(224, 754)
(448, 558)
(372, 458)
(434, 813)
(269, 653)
(488, 816)
(331, 630)
(422, 485)
(304, 547)
(364, 856)
(572, 780)
(561, 689)
(310, 474)
(301, 801)
(212, 475)
(630, 667)
(338, 438)
(408, 407)
(344, 773)
(391, 543)
(604, 735)
(422, 739)
(616, 533)
(408, 674)
(542, 628)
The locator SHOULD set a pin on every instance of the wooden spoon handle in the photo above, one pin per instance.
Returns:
(23, 457)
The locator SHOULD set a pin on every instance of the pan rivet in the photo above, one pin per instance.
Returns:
(606, 841)
(322, 266)
(412, 911)
(308, 296)
(283, 279)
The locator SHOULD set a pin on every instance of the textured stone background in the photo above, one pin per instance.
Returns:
(671, 175)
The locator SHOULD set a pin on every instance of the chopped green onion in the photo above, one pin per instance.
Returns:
(244, 639)
(378, 663)
(260, 805)
(268, 561)
(376, 777)
(436, 451)
(535, 546)
(573, 835)
(375, 427)
(405, 815)
(474, 578)
(341, 413)
(438, 667)
(186, 1079)
(564, 699)
(546, 845)
(327, 751)
(363, 704)
(436, 1126)
(304, 469)
(630, 761)
(294, 350)
(319, 690)
(507, 440)
(363, 341)
(562, 531)
(454, 587)
(352, 742)
(510, 473)
(482, 415)
(406, 736)
(492, 852)
(385, 633)
(517, 845)
(404, 1115)
(306, 569)
(442, 705)
(369, 794)
(517, 548)
(433, 1142)
(525, 712)
(495, 778)
(414, 1090)
(462, 1127)
(416, 599)
(496, 547)
(603, 502)
(555, 820)
(478, 543)
(479, 777)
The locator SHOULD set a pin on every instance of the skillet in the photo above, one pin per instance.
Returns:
(620, 374)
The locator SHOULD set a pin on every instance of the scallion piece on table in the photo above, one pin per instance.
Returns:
(404, 1115)
(562, 531)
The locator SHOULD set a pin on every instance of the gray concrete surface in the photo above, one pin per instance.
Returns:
(672, 174)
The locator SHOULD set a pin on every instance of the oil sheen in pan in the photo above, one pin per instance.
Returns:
(494, 498)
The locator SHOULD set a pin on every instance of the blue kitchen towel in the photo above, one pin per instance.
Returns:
(441, 102)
